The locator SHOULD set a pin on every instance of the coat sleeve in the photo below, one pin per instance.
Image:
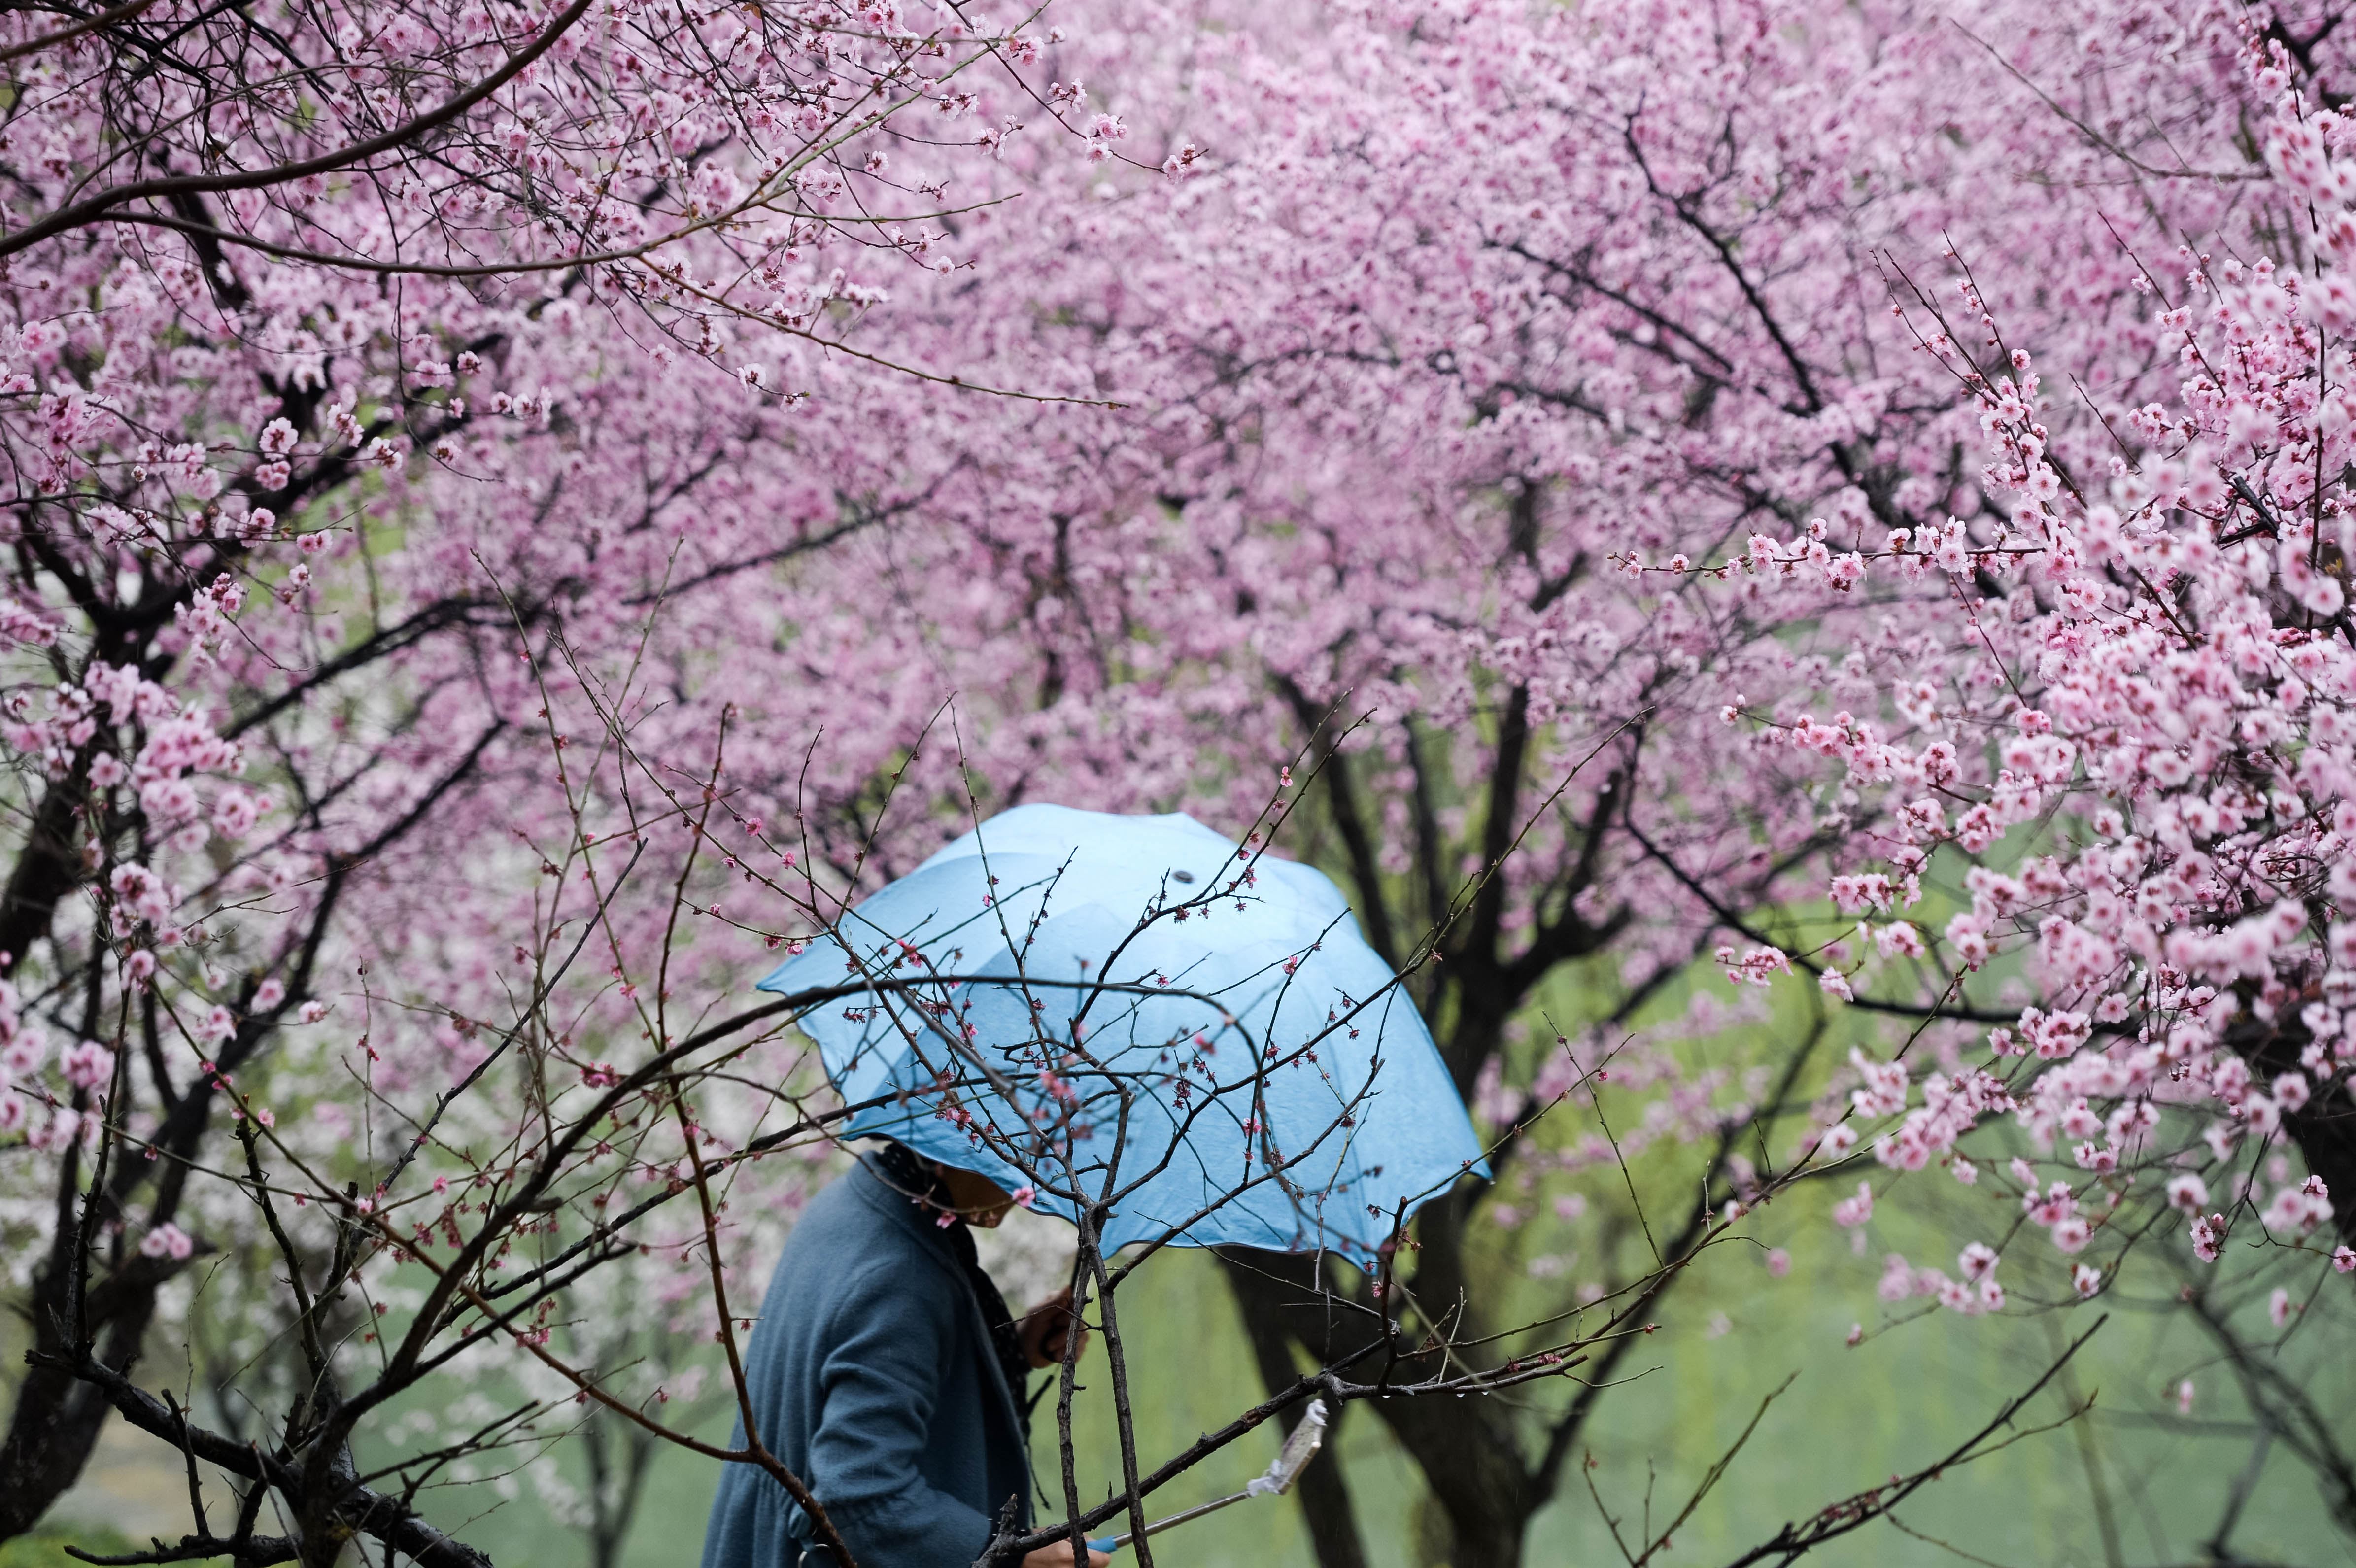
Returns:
(894, 1330)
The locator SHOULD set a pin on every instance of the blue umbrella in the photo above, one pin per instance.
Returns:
(1281, 1090)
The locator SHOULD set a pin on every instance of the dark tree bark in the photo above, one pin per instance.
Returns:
(1470, 1450)
(48, 867)
(1324, 1489)
(57, 1416)
(1489, 1468)
(617, 1454)
(2325, 1127)
(1466, 1448)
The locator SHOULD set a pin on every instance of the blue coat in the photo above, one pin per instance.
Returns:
(873, 1378)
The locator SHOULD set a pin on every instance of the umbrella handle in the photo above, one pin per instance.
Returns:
(1115, 1542)
(1298, 1449)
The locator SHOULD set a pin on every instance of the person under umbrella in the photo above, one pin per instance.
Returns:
(1135, 1010)
(888, 1372)
(1193, 1031)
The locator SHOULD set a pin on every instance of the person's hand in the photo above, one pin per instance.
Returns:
(1058, 1555)
(1044, 1328)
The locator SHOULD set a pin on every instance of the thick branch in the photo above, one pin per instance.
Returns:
(92, 209)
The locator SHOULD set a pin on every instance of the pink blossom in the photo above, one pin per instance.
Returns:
(167, 1240)
(2208, 1236)
(88, 1065)
(23, 1055)
(143, 893)
(2297, 1211)
(1834, 1141)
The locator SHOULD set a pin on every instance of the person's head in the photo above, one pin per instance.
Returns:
(976, 1199)
(971, 1196)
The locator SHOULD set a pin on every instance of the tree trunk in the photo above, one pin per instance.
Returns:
(56, 1427)
(56, 1423)
(1477, 1542)
(48, 864)
(1324, 1489)
(1467, 1449)
(2325, 1127)
(618, 1453)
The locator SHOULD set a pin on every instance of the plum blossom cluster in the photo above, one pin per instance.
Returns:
(2140, 765)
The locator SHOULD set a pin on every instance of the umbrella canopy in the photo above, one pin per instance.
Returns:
(1281, 1090)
